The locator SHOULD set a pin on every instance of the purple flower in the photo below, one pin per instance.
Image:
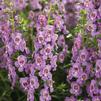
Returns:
(34, 84)
(48, 50)
(96, 98)
(24, 83)
(30, 95)
(40, 37)
(44, 95)
(41, 21)
(45, 72)
(72, 98)
(31, 15)
(35, 4)
(39, 61)
(75, 89)
(61, 57)
(83, 55)
(9, 48)
(12, 75)
(82, 78)
(19, 42)
(53, 62)
(61, 40)
(59, 23)
(76, 70)
(49, 33)
(19, 4)
(98, 69)
(21, 62)
(49, 84)
(92, 88)
(92, 15)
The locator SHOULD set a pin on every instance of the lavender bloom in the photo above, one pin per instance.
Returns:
(5, 28)
(61, 41)
(96, 98)
(92, 89)
(49, 84)
(19, 4)
(91, 28)
(75, 89)
(82, 78)
(30, 95)
(76, 70)
(92, 15)
(78, 41)
(59, 23)
(53, 62)
(40, 37)
(41, 21)
(21, 62)
(35, 4)
(45, 72)
(9, 48)
(83, 55)
(24, 83)
(19, 43)
(12, 75)
(49, 33)
(31, 15)
(61, 57)
(44, 95)
(76, 47)
(39, 61)
(98, 69)
(48, 50)
(72, 98)
(34, 84)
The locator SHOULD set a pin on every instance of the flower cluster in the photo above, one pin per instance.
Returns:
(39, 38)
(84, 75)
(31, 67)
(93, 9)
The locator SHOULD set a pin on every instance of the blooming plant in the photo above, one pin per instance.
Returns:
(50, 50)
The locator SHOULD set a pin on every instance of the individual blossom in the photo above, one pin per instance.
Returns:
(53, 62)
(34, 84)
(12, 75)
(19, 4)
(45, 72)
(96, 98)
(44, 95)
(76, 70)
(19, 42)
(61, 57)
(24, 82)
(30, 95)
(39, 61)
(92, 15)
(49, 83)
(31, 15)
(92, 88)
(59, 23)
(35, 4)
(49, 33)
(98, 69)
(41, 22)
(61, 40)
(75, 89)
(72, 98)
(21, 62)
(83, 55)
(82, 78)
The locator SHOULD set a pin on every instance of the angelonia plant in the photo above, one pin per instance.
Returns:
(51, 48)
